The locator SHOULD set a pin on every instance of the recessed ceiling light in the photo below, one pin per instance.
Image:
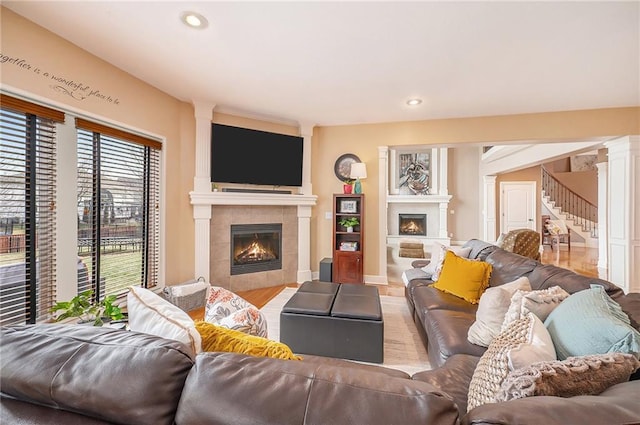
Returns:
(414, 102)
(194, 20)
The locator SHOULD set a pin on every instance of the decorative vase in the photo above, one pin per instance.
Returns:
(357, 187)
(347, 188)
(350, 229)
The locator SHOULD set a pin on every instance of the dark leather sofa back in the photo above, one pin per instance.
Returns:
(72, 375)
(547, 275)
(507, 266)
(243, 390)
(103, 373)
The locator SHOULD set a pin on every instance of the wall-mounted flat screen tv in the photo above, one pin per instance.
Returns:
(242, 155)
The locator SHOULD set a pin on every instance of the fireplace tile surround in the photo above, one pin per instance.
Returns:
(223, 216)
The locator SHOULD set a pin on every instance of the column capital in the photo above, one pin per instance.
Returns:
(203, 109)
(306, 128)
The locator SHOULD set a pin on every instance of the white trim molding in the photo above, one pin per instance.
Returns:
(623, 214)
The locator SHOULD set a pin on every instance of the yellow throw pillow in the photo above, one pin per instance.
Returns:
(219, 338)
(463, 278)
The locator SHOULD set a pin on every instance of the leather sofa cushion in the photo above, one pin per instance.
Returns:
(448, 330)
(430, 298)
(238, 389)
(454, 376)
(508, 266)
(104, 373)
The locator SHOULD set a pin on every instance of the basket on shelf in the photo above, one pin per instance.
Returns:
(189, 295)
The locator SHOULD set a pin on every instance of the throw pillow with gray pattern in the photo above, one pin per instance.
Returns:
(584, 375)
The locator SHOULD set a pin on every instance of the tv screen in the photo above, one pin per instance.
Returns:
(241, 155)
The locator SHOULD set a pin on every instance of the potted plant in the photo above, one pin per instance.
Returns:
(83, 307)
(347, 187)
(349, 222)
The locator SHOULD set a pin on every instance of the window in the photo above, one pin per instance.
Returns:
(118, 209)
(27, 210)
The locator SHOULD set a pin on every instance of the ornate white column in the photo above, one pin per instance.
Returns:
(489, 208)
(623, 214)
(203, 112)
(443, 170)
(383, 191)
(603, 194)
(304, 212)
(444, 210)
(306, 131)
(304, 243)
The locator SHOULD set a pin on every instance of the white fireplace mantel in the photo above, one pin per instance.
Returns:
(203, 201)
(413, 199)
(251, 198)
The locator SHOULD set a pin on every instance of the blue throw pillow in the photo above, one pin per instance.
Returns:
(590, 322)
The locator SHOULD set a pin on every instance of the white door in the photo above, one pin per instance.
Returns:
(517, 205)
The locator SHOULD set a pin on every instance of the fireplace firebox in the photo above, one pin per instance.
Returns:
(412, 224)
(255, 247)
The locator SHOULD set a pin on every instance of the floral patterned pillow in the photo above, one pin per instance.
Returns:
(224, 308)
(249, 320)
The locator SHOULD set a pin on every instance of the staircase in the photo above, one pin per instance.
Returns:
(580, 215)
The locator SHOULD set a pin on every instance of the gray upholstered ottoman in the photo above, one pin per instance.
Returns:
(334, 320)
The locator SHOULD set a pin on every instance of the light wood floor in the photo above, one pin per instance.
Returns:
(581, 260)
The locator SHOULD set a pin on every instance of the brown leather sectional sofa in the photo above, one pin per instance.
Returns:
(72, 375)
(443, 321)
(61, 374)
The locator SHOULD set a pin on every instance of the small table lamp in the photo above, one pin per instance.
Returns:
(358, 171)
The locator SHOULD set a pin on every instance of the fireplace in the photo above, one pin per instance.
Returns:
(255, 248)
(412, 224)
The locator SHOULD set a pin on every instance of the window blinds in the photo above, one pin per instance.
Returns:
(118, 207)
(27, 210)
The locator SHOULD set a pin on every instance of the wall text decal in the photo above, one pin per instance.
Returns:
(74, 89)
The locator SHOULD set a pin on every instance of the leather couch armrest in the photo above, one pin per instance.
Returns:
(418, 264)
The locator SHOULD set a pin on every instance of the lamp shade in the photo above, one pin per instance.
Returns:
(358, 170)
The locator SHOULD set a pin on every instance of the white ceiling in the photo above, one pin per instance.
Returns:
(333, 63)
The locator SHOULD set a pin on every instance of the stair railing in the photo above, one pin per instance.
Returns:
(582, 212)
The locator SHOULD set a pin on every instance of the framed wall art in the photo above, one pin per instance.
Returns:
(348, 206)
(414, 172)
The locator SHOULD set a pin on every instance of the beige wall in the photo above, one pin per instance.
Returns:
(583, 183)
(464, 163)
(128, 102)
(141, 106)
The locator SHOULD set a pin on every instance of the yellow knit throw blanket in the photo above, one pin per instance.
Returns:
(219, 338)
